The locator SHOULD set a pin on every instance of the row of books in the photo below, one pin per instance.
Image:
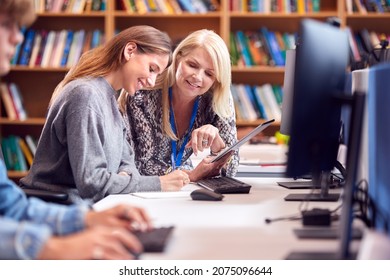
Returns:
(169, 6)
(18, 152)
(55, 48)
(69, 6)
(12, 102)
(363, 41)
(261, 47)
(367, 6)
(257, 102)
(275, 6)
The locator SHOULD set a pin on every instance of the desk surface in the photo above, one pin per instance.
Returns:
(233, 228)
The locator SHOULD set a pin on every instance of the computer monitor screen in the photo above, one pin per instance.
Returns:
(320, 70)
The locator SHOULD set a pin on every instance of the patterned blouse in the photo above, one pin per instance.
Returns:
(153, 148)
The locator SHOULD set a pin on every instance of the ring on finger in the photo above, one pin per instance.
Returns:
(205, 142)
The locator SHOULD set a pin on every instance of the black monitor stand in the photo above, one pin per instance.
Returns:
(323, 183)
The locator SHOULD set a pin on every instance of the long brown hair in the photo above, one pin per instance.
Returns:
(109, 57)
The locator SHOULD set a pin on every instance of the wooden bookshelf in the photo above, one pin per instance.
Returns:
(38, 83)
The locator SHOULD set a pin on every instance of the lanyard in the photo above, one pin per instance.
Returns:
(175, 156)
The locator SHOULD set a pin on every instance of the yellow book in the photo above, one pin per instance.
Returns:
(26, 151)
(152, 6)
(301, 7)
(141, 7)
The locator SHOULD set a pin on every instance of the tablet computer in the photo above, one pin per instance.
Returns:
(245, 139)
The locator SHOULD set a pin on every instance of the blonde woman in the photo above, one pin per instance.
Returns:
(190, 109)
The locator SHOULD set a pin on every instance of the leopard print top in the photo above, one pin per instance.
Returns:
(152, 148)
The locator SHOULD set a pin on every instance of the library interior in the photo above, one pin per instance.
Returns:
(313, 184)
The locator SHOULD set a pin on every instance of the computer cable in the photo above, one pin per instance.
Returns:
(294, 217)
(315, 216)
(363, 203)
(366, 210)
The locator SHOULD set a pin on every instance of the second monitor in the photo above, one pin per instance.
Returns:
(319, 77)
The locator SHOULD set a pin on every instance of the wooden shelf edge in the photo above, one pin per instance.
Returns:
(282, 15)
(368, 16)
(184, 15)
(38, 69)
(257, 69)
(101, 14)
(16, 174)
(29, 121)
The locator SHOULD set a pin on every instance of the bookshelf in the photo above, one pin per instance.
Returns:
(37, 83)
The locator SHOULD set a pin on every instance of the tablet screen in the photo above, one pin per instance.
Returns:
(245, 139)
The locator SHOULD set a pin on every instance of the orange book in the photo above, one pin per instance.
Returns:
(26, 151)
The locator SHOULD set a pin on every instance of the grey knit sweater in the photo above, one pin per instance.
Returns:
(82, 147)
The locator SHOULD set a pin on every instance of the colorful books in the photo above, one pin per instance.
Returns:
(17, 153)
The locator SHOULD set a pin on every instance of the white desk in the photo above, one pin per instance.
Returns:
(233, 228)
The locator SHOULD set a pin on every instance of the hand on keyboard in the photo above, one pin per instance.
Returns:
(154, 240)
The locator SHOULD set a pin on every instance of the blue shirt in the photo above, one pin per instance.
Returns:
(26, 224)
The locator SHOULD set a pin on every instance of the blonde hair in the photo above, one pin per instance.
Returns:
(109, 57)
(213, 44)
(22, 11)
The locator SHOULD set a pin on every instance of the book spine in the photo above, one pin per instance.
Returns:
(68, 43)
(258, 103)
(26, 151)
(31, 144)
(243, 46)
(38, 61)
(48, 48)
(18, 48)
(247, 104)
(7, 153)
(18, 101)
(22, 164)
(27, 47)
(263, 110)
(35, 50)
(7, 101)
(273, 46)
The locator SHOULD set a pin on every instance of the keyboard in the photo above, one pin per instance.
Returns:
(154, 240)
(224, 185)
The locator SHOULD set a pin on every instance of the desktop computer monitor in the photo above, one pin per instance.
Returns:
(378, 142)
(320, 71)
